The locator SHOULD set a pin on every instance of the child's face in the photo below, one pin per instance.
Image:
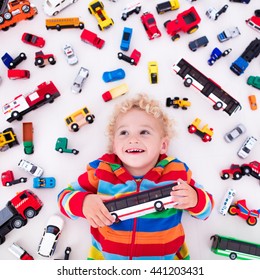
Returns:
(138, 141)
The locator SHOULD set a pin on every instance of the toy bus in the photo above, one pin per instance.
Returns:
(234, 248)
(139, 204)
(211, 90)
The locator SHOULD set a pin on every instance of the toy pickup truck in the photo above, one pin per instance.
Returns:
(167, 6)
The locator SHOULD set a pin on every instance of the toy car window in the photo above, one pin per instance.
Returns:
(244, 248)
(53, 229)
(120, 204)
(33, 169)
(143, 198)
(126, 36)
(23, 196)
(150, 20)
(245, 149)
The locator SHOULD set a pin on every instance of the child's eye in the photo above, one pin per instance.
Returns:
(123, 132)
(144, 132)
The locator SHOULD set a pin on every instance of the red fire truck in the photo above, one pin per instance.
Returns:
(25, 205)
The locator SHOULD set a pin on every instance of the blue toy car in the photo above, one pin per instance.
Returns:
(112, 76)
(202, 41)
(11, 63)
(126, 38)
(44, 182)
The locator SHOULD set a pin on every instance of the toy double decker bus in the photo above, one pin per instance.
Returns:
(139, 204)
(234, 248)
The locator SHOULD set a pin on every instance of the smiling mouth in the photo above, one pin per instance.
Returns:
(130, 151)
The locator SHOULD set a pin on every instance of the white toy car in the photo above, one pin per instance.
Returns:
(50, 236)
(79, 80)
(226, 202)
(130, 9)
(53, 7)
(70, 55)
(235, 133)
(228, 34)
(30, 168)
(247, 147)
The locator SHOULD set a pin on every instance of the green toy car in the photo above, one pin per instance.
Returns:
(254, 81)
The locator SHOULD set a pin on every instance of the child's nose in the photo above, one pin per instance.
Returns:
(133, 140)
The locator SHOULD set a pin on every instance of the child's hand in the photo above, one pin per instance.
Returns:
(95, 211)
(184, 195)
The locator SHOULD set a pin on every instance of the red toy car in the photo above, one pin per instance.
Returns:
(150, 26)
(42, 59)
(133, 59)
(186, 21)
(33, 40)
(92, 39)
(234, 170)
(15, 74)
(240, 209)
(7, 179)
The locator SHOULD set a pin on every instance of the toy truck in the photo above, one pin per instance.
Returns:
(92, 39)
(205, 133)
(62, 146)
(17, 11)
(28, 138)
(167, 6)
(7, 139)
(7, 179)
(252, 50)
(25, 205)
(22, 104)
(186, 21)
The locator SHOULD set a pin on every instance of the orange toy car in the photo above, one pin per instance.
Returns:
(252, 102)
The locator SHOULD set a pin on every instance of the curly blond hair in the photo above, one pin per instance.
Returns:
(144, 103)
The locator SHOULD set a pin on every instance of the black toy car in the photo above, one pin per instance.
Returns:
(202, 41)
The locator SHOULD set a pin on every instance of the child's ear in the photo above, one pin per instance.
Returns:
(164, 145)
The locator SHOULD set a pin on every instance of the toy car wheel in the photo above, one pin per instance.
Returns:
(206, 138)
(39, 62)
(233, 256)
(184, 108)
(193, 29)
(246, 170)
(176, 106)
(175, 37)
(90, 11)
(75, 127)
(48, 97)
(89, 119)
(18, 222)
(8, 184)
(16, 115)
(58, 27)
(75, 152)
(51, 60)
(124, 17)
(117, 220)
(192, 129)
(60, 150)
(166, 23)
(176, 98)
(257, 13)
(1, 19)
(185, 99)
(26, 8)
(81, 25)
(132, 61)
(158, 205)
(237, 176)
(55, 13)
(30, 213)
(120, 55)
(99, 26)
(7, 16)
(232, 210)
(251, 221)
(137, 10)
(225, 176)
(188, 82)
(218, 105)
(23, 180)
(168, 102)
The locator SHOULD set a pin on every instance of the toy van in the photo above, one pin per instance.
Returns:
(53, 7)
(60, 23)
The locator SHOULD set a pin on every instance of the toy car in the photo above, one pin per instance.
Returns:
(79, 80)
(240, 1)
(176, 103)
(50, 236)
(153, 72)
(247, 146)
(228, 33)
(8, 179)
(235, 171)
(235, 133)
(33, 40)
(34, 170)
(167, 6)
(240, 209)
(133, 59)
(42, 59)
(62, 23)
(131, 8)
(62, 146)
(11, 63)
(150, 26)
(217, 54)
(8, 139)
(213, 13)
(252, 102)
(186, 21)
(79, 118)
(115, 92)
(53, 7)
(92, 39)
(44, 182)
(111, 76)
(254, 22)
(14, 74)
(226, 202)
(70, 55)
(96, 8)
(205, 133)
(202, 41)
(126, 39)
(254, 81)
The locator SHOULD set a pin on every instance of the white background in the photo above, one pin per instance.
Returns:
(206, 160)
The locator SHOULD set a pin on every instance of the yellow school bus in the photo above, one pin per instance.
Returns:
(60, 23)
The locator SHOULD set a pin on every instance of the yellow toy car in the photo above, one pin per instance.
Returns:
(153, 72)
(205, 133)
(176, 103)
(96, 8)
